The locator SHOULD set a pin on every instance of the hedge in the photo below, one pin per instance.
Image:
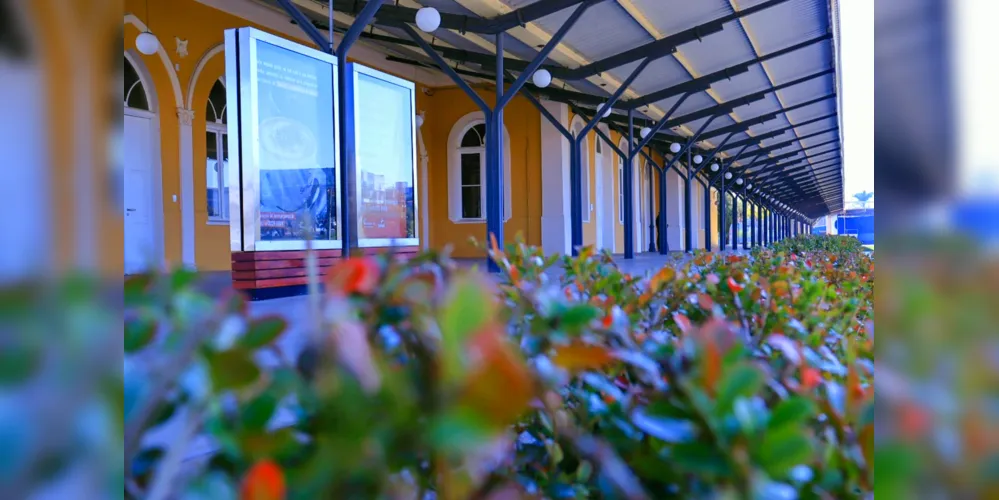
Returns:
(722, 377)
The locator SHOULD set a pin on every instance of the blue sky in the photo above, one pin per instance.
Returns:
(857, 73)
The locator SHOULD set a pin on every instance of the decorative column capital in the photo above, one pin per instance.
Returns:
(186, 116)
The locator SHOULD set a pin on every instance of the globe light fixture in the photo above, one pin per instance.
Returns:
(728, 175)
(739, 181)
(698, 159)
(750, 186)
(674, 148)
(428, 19)
(147, 43)
(607, 111)
(645, 132)
(714, 167)
(541, 78)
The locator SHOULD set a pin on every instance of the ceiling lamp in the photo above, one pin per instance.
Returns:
(739, 181)
(714, 167)
(728, 175)
(749, 186)
(607, 110)
(147, 43)
(674, 148)
(645, 132)
(541, 78)
(428, 19)
(698, 159)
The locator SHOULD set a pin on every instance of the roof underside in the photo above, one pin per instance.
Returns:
(792, 112)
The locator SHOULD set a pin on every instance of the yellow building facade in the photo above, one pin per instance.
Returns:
(183, 117)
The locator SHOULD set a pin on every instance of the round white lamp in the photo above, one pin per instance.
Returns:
(428, 19)
(714, 167)
(739, 181)
(674, 148)
(541, 78)
(645, 132)
(749, 186)
(728, 175)
(698, 159)
(147, 43)
(607, 111)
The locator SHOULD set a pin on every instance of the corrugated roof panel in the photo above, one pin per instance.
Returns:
(813, 127)
(659, 74)
(745, 83)
(821, 138)
(807, 90)
(785, 24)
(672, 16)
(617, 31)
(802, 62)
(816, 110)
(718, 50)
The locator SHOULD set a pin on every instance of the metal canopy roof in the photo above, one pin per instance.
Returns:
(763, 71)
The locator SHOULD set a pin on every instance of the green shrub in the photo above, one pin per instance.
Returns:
(744, 376)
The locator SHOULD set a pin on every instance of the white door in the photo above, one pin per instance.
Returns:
(140, 240)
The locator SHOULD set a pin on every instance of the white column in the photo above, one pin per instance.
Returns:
(185, 117)
(674, 211)
(555, 210)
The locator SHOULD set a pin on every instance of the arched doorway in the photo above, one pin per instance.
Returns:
(142, 198)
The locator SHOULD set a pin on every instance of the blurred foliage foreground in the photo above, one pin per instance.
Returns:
(723, 377)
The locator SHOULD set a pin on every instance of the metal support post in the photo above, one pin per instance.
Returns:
(494, 160)
(663, 237)
(628, 191)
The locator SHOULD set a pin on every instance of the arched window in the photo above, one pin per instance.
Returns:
(467, 170)
(217, 149)
(473, 172)
(135, 92)
(577, 126)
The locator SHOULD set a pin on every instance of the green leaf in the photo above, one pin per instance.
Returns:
(459, 431)
(700, 458)
(742, 380)
(259, 411)
(467, 309)
(137, 289)
(232, 369)
(790, 412)
(262, 332)
(139, 332)
(18, 362)
(783, 449)
(182, 279)
(577, 316)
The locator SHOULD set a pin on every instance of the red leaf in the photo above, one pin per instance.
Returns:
(734, 285)
(683, 322)
(264, 481)
(354, 275)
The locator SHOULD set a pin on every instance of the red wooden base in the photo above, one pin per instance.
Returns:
(261, 270)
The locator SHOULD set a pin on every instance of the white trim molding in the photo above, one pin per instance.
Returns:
(454, 169)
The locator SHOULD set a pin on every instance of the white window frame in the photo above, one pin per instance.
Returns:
(454, 150)
(221, 135)
(577, 125)
(481, 151)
